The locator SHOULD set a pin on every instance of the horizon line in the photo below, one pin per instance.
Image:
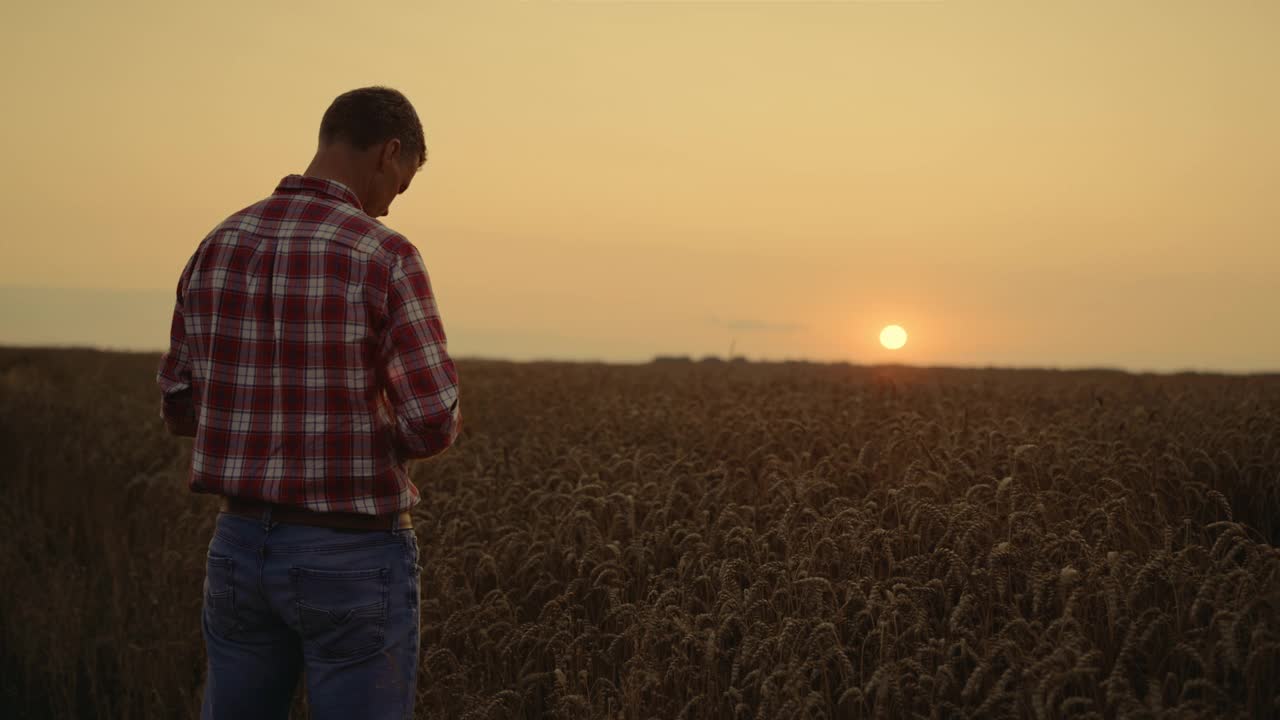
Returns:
(710, 358)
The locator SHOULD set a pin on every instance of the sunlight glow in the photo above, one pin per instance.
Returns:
(893, 337)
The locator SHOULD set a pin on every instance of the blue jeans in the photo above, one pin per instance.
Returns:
(341, 604)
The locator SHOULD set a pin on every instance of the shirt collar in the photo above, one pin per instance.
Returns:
(318, 186)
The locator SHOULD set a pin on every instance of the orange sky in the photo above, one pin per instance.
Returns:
(1067, 184)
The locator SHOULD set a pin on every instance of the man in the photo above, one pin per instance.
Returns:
(308, 361)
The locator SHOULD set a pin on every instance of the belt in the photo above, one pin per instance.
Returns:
(294, 515)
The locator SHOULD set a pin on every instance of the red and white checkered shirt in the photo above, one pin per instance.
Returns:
(307, 349)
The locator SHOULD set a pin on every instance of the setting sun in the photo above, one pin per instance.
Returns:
(893, 337)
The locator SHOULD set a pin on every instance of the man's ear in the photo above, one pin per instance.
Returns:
(390, 149)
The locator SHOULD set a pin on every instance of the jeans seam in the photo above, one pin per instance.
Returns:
(411, 673)
(298, 549)
(232, 540)
(233, 621)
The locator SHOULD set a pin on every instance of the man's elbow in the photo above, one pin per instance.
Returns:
(430, 439)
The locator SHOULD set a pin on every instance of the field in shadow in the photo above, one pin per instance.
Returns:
(707, 540)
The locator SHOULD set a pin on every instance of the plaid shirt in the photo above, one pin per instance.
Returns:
(307, 356)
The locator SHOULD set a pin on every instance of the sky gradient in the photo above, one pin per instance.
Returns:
(1016, 184)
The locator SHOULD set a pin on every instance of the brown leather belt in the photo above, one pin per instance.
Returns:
(294, 515)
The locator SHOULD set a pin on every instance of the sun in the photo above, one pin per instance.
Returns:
(893, 337)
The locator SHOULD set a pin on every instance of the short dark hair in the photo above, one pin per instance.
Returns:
(370, 115)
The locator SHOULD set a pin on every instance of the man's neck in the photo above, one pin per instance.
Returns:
(331, 168)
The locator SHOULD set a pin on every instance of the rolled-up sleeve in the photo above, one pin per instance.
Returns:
(421, 381)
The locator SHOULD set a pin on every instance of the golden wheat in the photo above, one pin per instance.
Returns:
(709, 541)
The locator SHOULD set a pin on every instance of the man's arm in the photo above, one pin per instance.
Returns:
(421, 381)
(179, 414)
(177, 408)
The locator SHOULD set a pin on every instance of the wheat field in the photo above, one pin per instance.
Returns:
(708, 540)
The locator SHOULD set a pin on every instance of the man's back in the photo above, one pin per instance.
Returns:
(308, 361)
(309, 338)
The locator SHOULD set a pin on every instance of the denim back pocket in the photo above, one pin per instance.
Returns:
(220, 595)
(341, 613)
